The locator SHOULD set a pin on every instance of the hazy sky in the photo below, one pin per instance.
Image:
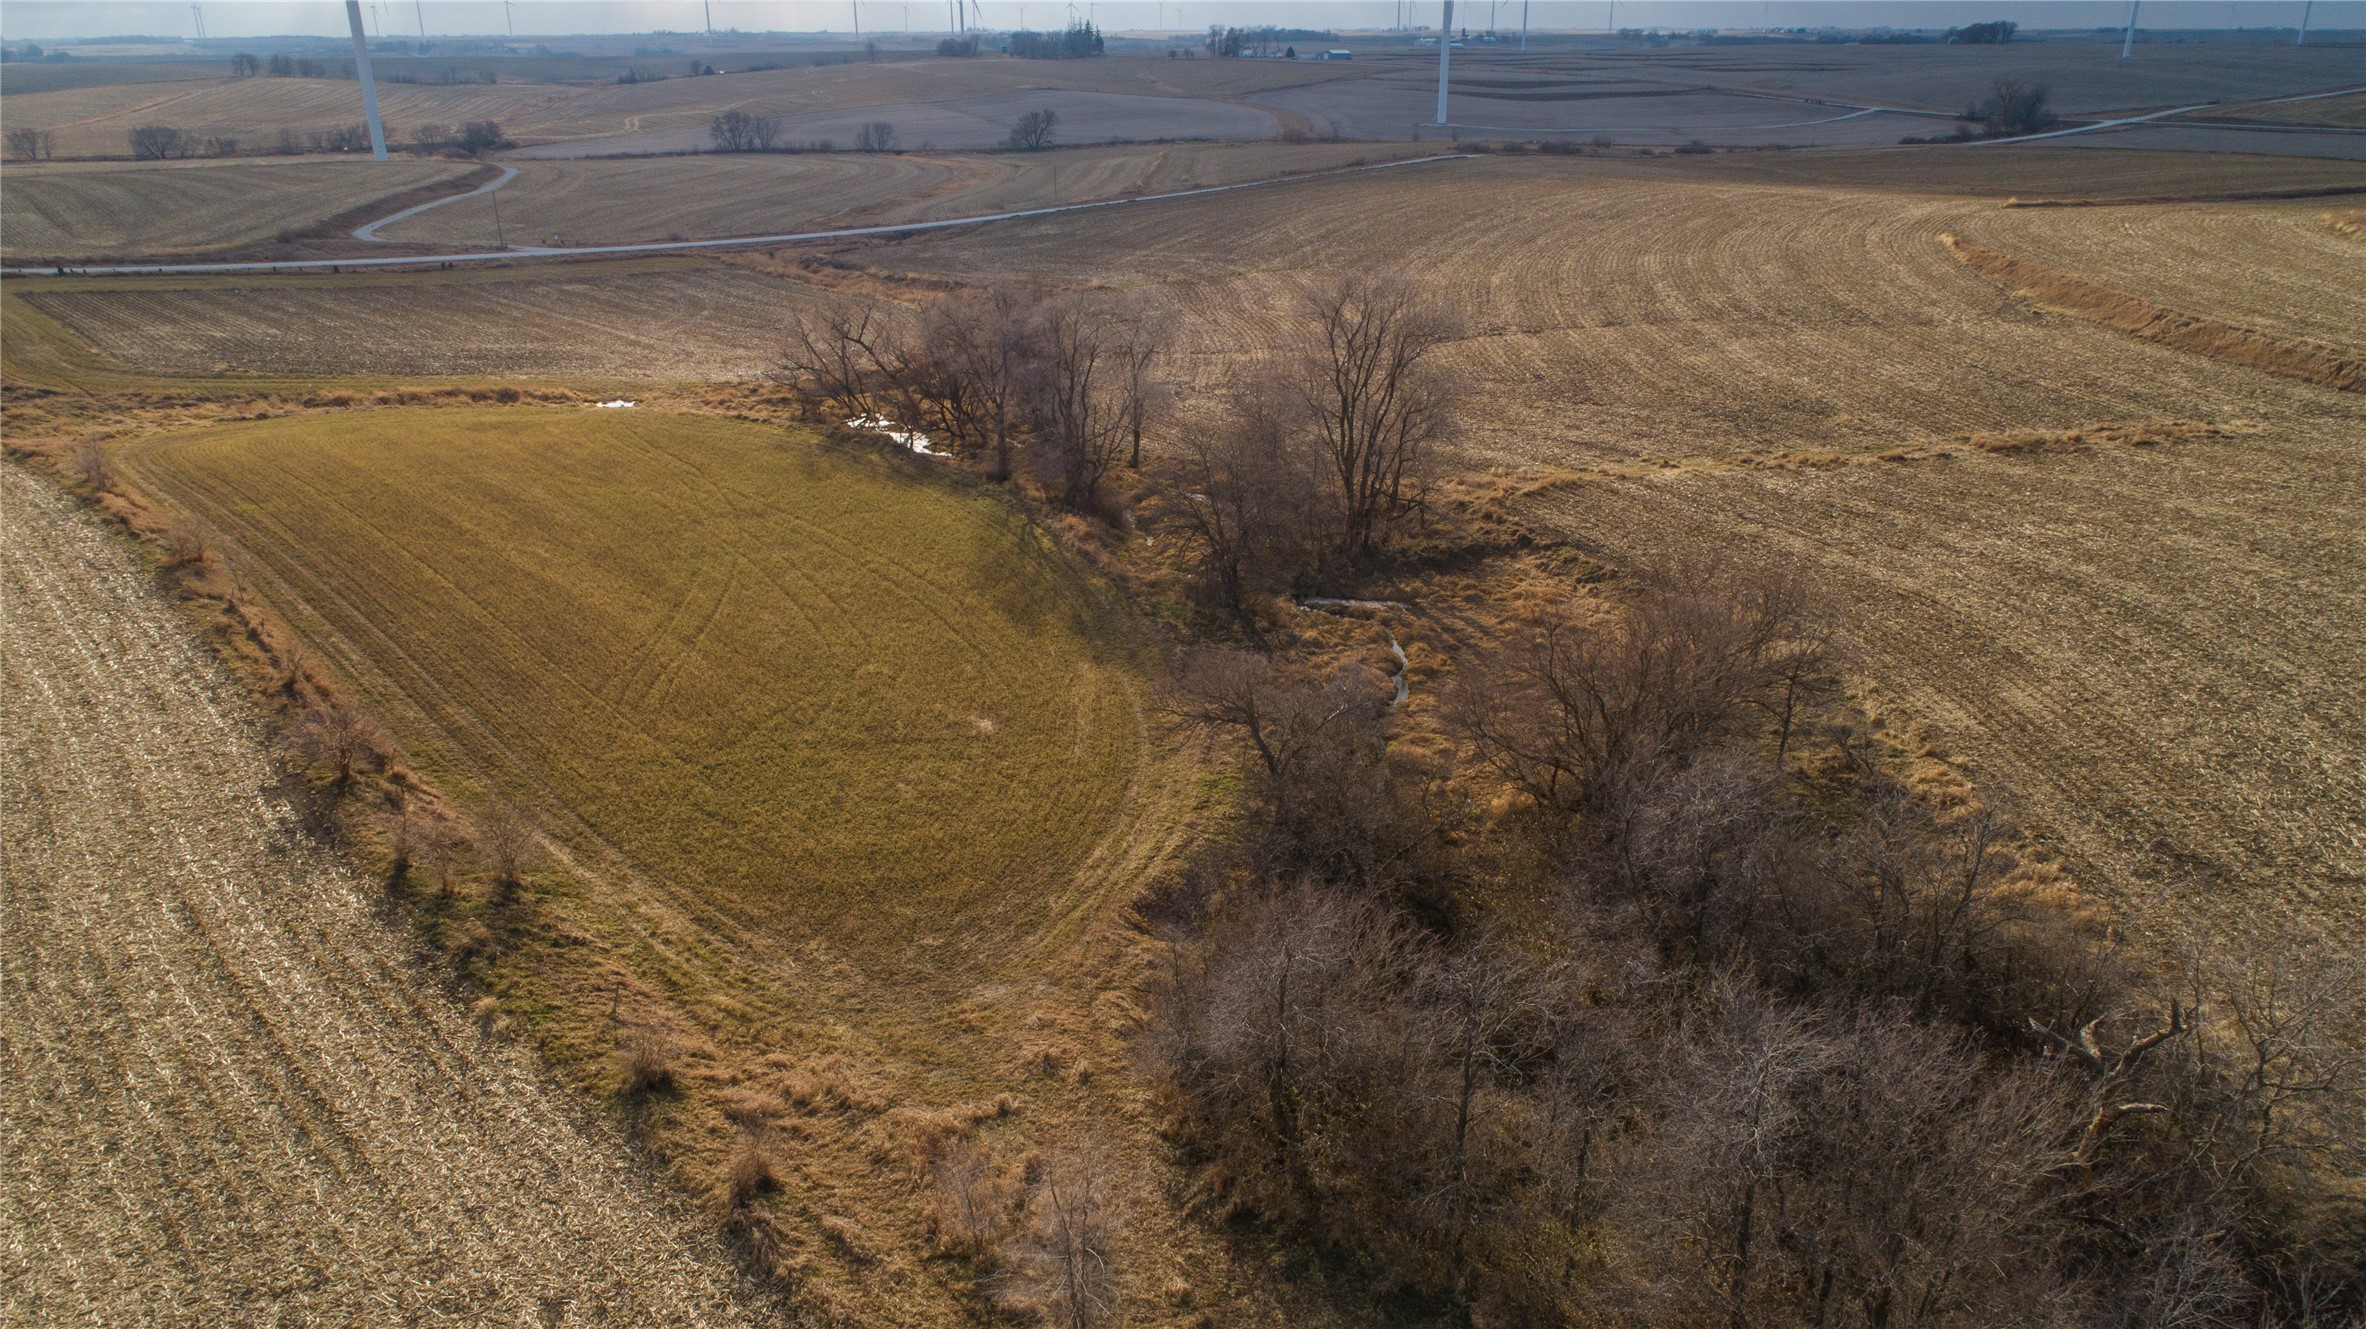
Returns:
(41, 20)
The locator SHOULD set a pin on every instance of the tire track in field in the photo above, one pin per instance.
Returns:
(228, 1096)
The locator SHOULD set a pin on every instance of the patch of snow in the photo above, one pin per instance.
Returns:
(1404, 689)
(910, 438)
(1325, 605)
(620, 404)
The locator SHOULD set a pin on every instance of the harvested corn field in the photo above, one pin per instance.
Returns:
(621, 200)
(229, 1092)
(79, 209)
(2153, 649)
(1623, 310)
(655, 319)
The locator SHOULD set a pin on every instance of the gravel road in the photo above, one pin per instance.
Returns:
(229, 1092)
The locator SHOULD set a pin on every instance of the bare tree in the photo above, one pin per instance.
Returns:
(1138, 351)
(1283, 712)
(1568, 710)
(508, 842)
(1033, 130)
(155, 142)
(87, 461)
(743, 131)
(336, 733)
(1817, 1168)
(979, 346)
(876, 136)
(2014, 107)
(974, 1198)
(836, 354)
(443, 851)
(1373, 397)
(1241, 490)
(1084, 393)
(1068, 1258)
(27, 144)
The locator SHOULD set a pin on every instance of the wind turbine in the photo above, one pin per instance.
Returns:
(369, 86)
(2128, 45)
(509, 14)
(2302, 39)
(197, 12)
(419, 7)
(1445, 51)
(1523, 25)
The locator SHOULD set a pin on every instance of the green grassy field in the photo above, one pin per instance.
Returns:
(850, 774)
(819, 694)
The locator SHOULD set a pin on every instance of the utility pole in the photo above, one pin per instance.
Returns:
(1445, 53)
(2128, 45)
(369, 86)
(2302, 39)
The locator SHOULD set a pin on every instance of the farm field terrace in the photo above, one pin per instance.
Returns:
(76, 209)
(601, 200)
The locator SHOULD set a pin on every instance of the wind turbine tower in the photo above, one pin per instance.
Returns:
(2302, 39)
(369, 86)
(419, 8)
(2128, 44)
(1445, 55)
(1523, 25)
(197, 13)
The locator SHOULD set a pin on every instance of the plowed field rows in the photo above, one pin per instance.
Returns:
(168, 208)
(2277, 268)
(90, 121)
(1618, 312)
(682, 321)
(229, 1094)
(98, 121)
(619, 200)
(2155, 651)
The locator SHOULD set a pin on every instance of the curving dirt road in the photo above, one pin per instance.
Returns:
(685, 246)
(228, 1094)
